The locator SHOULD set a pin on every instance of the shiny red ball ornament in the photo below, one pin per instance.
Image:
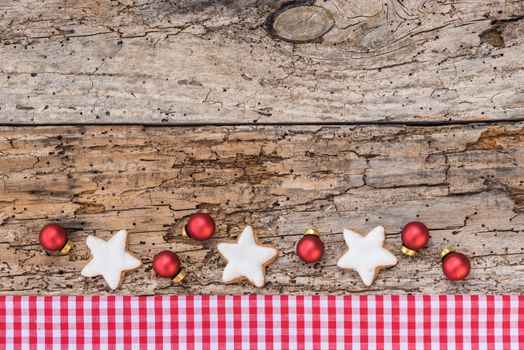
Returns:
(200, 226)
(310, 248)
(456, 266)
(167, 264)
(53, 237)
(415, 236)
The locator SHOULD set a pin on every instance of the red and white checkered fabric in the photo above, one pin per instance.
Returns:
(262, 322)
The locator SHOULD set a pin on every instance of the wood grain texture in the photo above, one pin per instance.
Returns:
(465, 182)
(200, 62)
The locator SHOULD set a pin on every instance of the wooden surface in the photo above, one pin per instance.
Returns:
(202, 62)
(464, 181)
(368, 113)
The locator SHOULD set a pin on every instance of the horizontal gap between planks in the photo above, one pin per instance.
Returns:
(335, 123)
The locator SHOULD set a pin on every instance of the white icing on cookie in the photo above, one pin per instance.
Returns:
(110, 259)
(366, 254)
(246, 259)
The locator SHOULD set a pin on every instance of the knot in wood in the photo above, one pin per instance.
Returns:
(303, 24)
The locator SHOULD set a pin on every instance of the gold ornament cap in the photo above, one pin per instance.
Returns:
(312, 231)
(446, 251)
(179, 277)
(67, 247)
(407, 251)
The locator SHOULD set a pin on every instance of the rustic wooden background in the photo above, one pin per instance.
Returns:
(283, 115)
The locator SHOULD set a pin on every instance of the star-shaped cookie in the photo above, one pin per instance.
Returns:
(110, 259)
(246, 259)
(366, 254)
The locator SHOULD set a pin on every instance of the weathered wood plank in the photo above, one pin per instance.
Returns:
(465, 182)
(100, 61)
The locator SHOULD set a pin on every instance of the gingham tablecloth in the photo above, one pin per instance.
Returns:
(262, 322)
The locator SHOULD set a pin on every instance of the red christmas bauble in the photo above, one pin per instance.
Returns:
(415, 236)
(167, 264)
(310, 248)
(456, 266)
(200, 226)
(53, 237)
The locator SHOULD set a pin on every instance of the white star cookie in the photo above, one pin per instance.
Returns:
(366, 254)
(246, 259)
(110, 259)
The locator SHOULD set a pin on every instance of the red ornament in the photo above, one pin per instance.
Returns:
(200, 226)
(53, 237)
(415, 236)
(456, 266)
(167, 264)
(310, 248)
